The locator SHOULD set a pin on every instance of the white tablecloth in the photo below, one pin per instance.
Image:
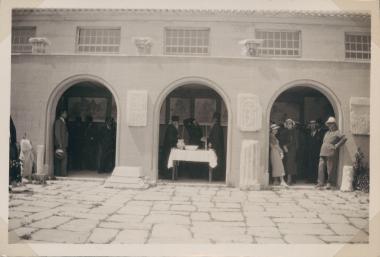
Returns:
(193, 156)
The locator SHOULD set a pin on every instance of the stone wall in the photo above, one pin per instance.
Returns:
(41, 74)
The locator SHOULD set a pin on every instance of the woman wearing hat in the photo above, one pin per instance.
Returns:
(276, 155)
(289, 144)
(332, 141)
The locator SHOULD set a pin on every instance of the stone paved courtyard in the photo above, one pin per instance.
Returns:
(66, 211)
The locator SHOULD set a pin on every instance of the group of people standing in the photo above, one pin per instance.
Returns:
(319, 151)
(83, 145)
(215, 141)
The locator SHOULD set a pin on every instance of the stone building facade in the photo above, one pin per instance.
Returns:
(249, 58)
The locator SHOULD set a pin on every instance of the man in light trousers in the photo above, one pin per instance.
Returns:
(332, 141)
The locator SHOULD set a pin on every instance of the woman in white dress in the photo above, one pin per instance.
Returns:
(276, 155)
(26, 156)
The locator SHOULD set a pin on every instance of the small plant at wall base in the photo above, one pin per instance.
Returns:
(361, 169)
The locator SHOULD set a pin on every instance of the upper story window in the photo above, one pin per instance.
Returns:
(358, 46)
(187, 41)
(98, 40)
(20, 39)
(279, 43)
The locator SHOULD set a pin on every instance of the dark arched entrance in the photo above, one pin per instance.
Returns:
(199, 102)
(301, 104)
(92, 140)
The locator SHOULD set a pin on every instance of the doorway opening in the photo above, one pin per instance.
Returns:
(91, 125)
(304, 105)
(202, 117)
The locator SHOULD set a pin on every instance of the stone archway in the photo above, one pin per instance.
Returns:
(51, 108)
(314, 85)
(156, 122)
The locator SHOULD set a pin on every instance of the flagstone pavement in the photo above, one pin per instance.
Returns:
(66, 211)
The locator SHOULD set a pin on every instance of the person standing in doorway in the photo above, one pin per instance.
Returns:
(276, 156)
(75, 148)
(61, 136)
(90, 147)
(194, 131)
(332, 141)
(170, 141)
(195, 170)
(314, 139)
(288, 141)
(107, 144)
(216, 142)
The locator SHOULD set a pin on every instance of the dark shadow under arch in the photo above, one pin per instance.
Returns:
(53, 103)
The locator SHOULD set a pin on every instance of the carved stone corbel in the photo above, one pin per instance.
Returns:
(250, 46)
(143, 45)
(39, 44)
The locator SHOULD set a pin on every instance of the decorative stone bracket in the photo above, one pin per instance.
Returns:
(143, 45)
(250, 46)
(39, 44)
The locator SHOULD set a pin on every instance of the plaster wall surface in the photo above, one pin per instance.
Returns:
(34, 77)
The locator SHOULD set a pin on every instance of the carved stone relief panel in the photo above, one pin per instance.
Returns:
(249, 116)
(359, 115)
(137, 107)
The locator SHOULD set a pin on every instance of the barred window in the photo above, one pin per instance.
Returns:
(20, 39)
(98, 40)
(187, 41)
(358, 46)
(279, 43)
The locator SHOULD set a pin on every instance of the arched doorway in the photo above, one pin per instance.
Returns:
(202, 103)
(302, 103)
(83, 96)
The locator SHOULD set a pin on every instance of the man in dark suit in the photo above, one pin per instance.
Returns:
(314, 142)
(170, 141)
(194, 169)
(107, 144)
(61, 139)
(216, 142)
(194, 131)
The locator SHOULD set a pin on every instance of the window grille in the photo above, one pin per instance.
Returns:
(187, 41)
(279, 43)
(20, 39)
(358, 46)
(98, 40)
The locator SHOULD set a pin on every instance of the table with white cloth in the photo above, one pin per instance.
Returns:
(199, 155)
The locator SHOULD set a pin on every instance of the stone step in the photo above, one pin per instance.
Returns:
(84, 179)
(126, 177)
(126, 186)
(127, 180)
(127, 171)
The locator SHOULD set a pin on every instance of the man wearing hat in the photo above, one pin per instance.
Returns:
(332, 141)
(314, 141)
(61, 136)
(170, 140)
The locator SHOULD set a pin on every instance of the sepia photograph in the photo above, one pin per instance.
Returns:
(189, 126)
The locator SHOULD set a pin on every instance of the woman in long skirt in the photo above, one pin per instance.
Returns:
(289, 143)
(276, 155)
(27, 157)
